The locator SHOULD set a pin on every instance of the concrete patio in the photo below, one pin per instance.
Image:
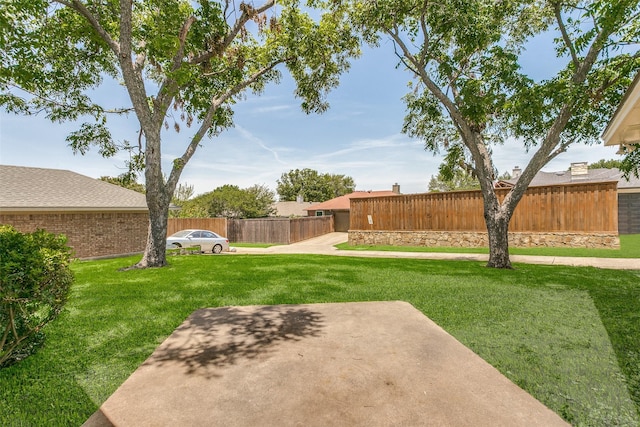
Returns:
(344, 364)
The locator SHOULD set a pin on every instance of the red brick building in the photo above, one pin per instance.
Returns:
(98, 218)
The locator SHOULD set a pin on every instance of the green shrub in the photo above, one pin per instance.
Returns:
(34, 283)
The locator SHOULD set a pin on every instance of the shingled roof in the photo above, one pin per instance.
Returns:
(592, 175)
(37, 189)
(342, 203)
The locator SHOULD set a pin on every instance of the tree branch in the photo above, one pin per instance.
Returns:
(412, 67)
(456, 115)
(141, 58)
(247, 14)
(208, 120)
(7, 329)
(561, 149)
(125, 33)
(472, 139)
(90, 109)
(131, 73)
(18, 339)
(426, 43)
(86, 13)
(184, 31)
(551, 143)
(168, 89)
(12, 322)
(565, 35)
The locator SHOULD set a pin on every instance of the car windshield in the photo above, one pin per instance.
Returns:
(183, 233)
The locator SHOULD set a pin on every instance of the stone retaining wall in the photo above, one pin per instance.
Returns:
(470, 239)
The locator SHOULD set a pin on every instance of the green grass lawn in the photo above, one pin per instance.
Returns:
(569, 336)
(629, 248)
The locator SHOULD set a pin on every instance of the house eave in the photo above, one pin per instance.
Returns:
(628, 190)
(624, 127)
(68, 209)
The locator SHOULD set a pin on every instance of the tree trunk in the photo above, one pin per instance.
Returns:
(496, 218)
(498, 229)
(155, 251)
(158, 201)
(496, 215)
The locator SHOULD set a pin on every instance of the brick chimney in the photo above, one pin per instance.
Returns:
(579, 170)
(516, 172)
(396, 188)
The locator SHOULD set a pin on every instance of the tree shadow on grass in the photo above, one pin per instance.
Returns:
(217, 337)
(619, 308)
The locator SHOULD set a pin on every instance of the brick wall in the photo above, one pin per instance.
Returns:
(90, 234)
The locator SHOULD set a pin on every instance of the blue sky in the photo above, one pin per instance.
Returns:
(360, 136)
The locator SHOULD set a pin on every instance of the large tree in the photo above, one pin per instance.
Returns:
(313, 186)
(606, 164)
(469, 94)
(458, 180)
(182, 194)
(230, 201)
(183, 63)
(125, 180)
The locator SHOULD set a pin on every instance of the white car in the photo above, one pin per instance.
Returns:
(207, 240)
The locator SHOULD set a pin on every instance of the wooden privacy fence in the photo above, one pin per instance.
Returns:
(217, 225)
(306, 228)
(585, 207)
(259, 230)
(277, 230)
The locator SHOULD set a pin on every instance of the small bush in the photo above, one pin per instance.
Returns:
(34, 283)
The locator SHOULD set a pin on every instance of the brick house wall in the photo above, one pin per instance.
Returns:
(90, 234)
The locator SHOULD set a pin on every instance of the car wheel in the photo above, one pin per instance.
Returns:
(217, 249)
(177, 245)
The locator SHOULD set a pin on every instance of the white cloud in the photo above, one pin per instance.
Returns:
(259, 142)
(273, 109)
(395, 141)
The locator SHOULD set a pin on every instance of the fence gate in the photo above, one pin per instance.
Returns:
(341, 221)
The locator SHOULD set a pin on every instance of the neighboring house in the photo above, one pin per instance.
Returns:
(292, 209)
(339, 207)
(628, 190)
(624, 127)
(98, 218)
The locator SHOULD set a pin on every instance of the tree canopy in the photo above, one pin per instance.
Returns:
(184, 65)
(181, 195)
(126, 181)
(469, 95)
(230, 201)
(313, 186)
(461, 180)
(606, 164)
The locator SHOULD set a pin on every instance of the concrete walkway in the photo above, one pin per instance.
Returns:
(362, 364)
(324, 245)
